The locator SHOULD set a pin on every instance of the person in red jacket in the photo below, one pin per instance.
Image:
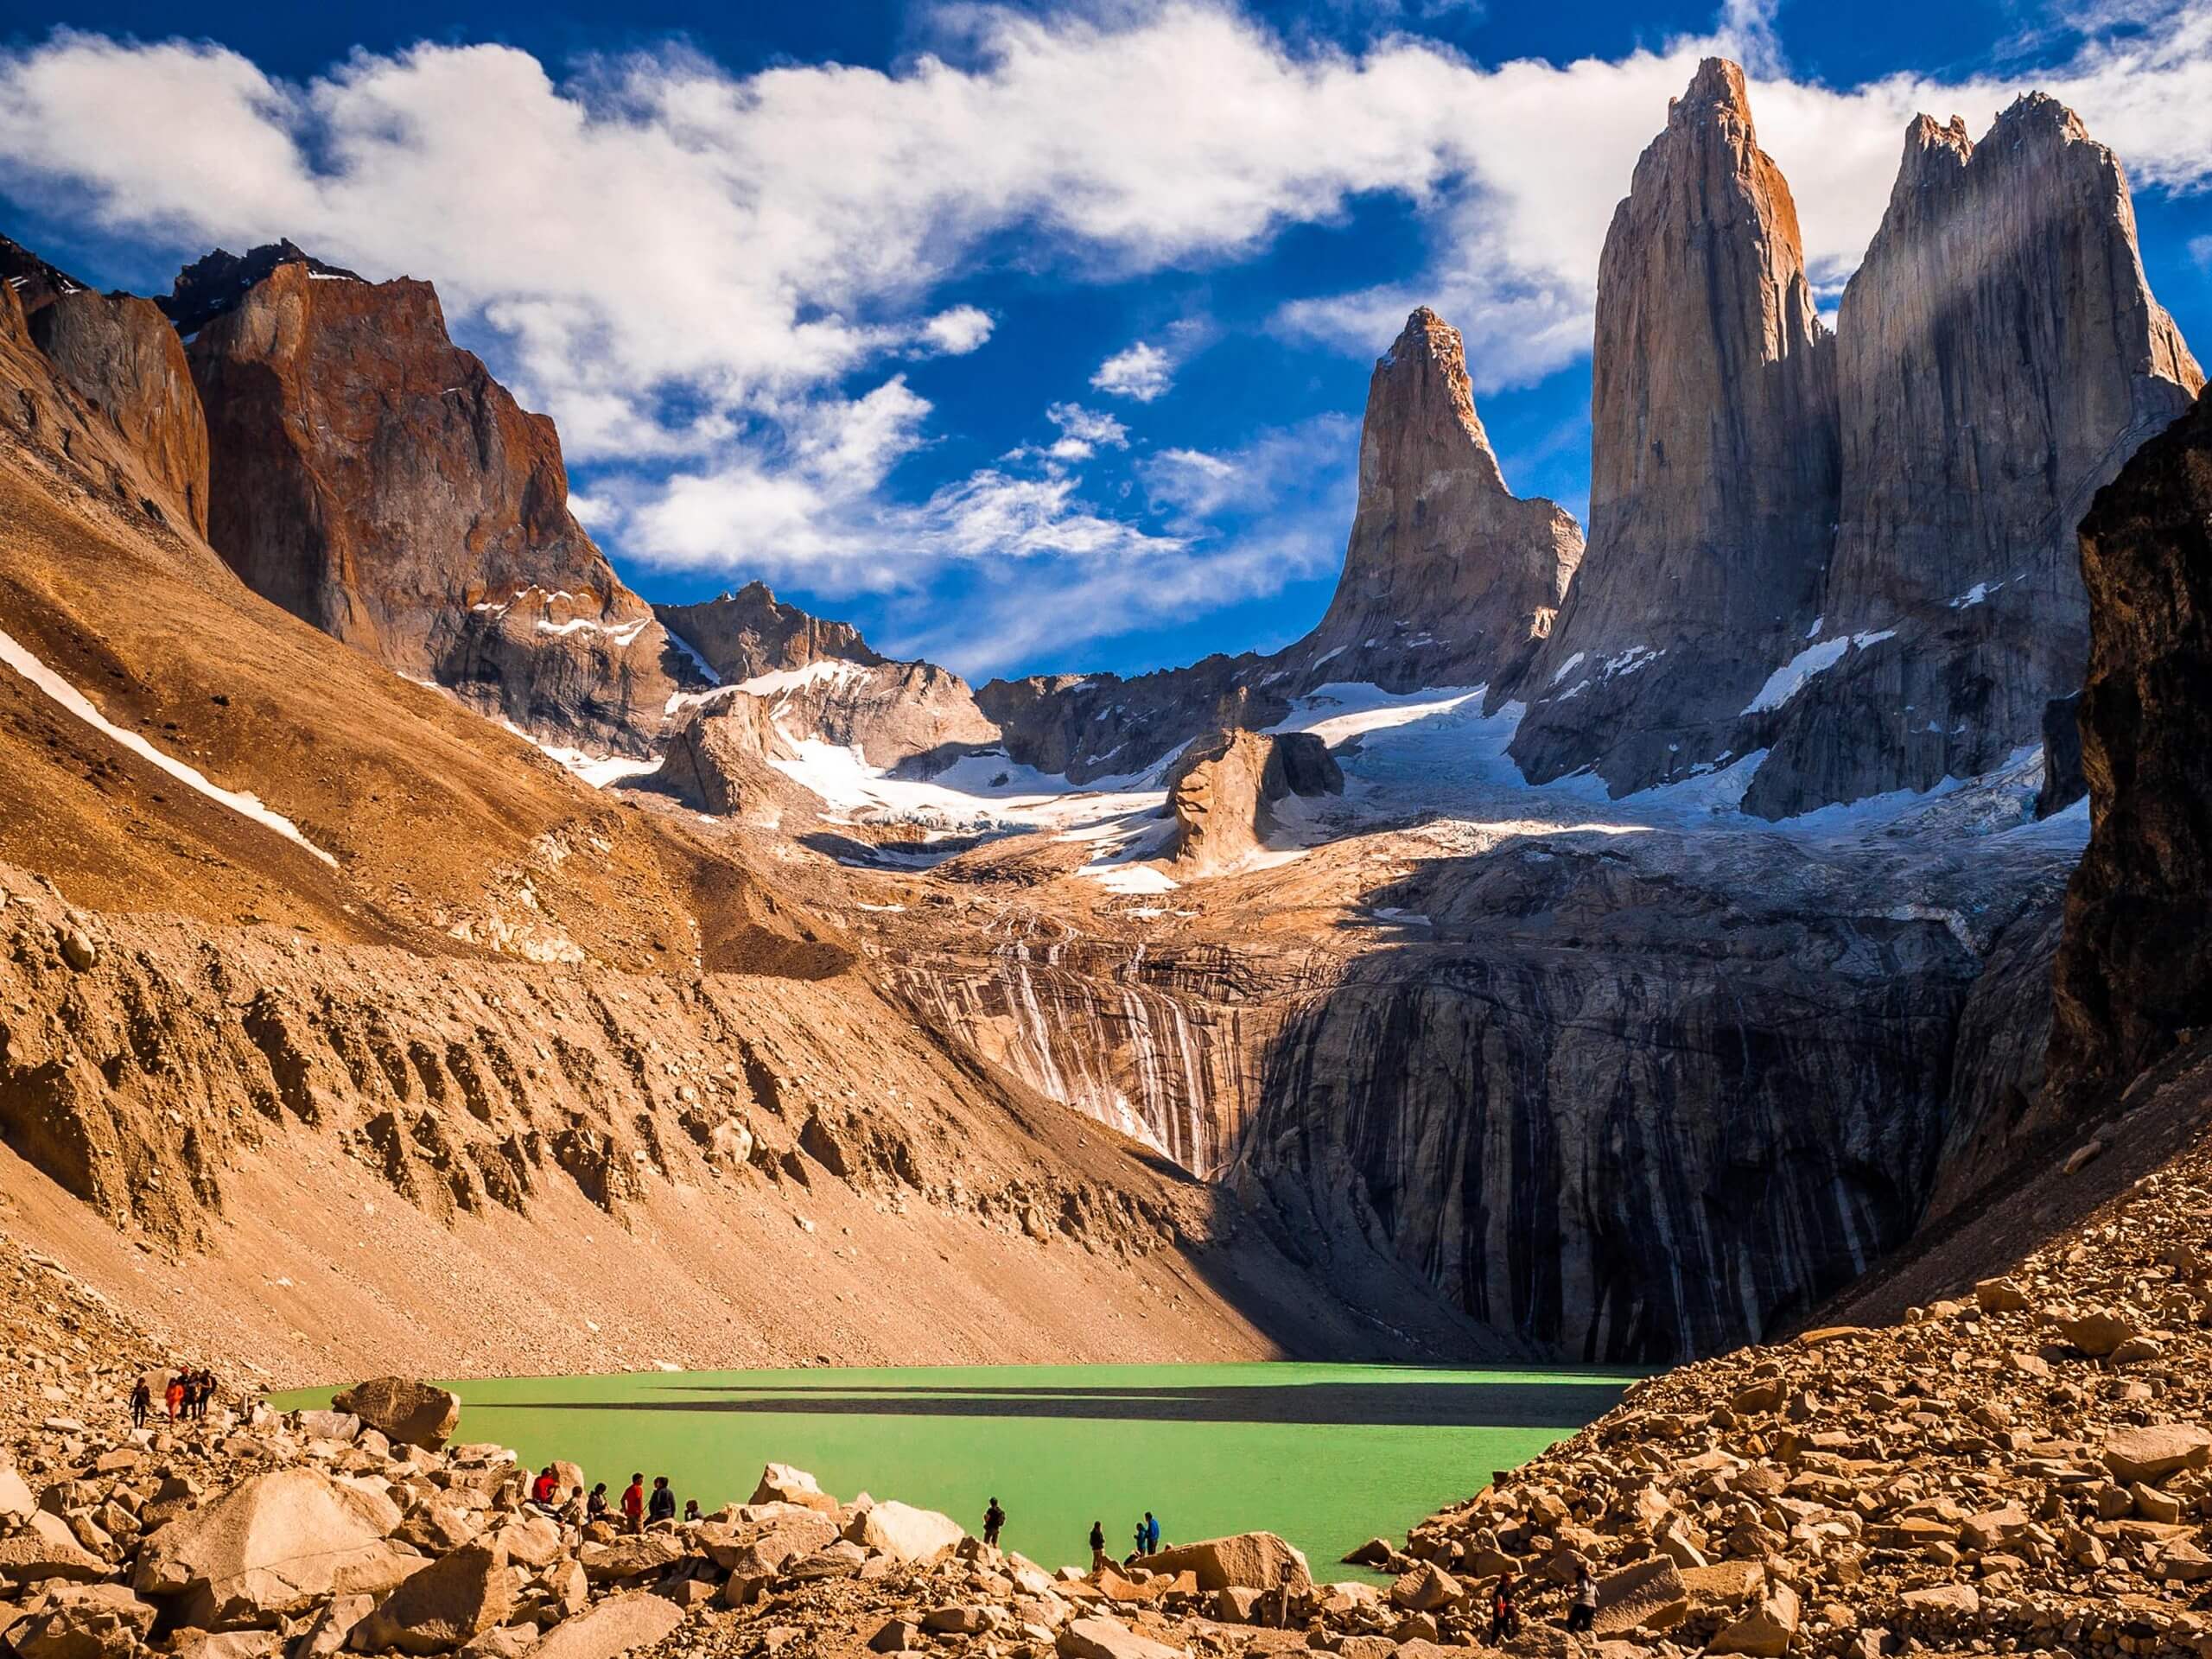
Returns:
(546, 1487)
(633, 1503)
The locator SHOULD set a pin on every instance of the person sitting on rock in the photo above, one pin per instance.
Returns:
(690, 1508)
(142, 1403)
(595, 1505)
(994, 1518)
(577, 1511)
(545, 1488)
(1582, 1612)
(633, 1503)
(662, 1506)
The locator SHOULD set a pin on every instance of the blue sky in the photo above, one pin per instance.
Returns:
(1031, 338)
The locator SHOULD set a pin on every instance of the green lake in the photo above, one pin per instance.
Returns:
(1327, 1455)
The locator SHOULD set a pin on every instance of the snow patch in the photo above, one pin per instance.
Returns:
(1567, 667)
(249, 806)
(1800, 671)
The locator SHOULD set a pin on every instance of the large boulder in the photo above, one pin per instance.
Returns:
(275, 1544)
(18, 1501)
(1649, 1595)
(1766, 1631)
(1253, 1560)
(448, 1603)
(1231, 792)
(406, 1412)
(612, 1629)
(781, 1483)
(2152, 1453)
(631, 1557)
(905, 1533)
(761, 1550)
(84, 1621)
(46, 1549)
(1100, 1638)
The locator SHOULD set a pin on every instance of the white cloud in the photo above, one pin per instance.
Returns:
(1083, 431)
(959, 331)
(2200, 250)
(1140, 371)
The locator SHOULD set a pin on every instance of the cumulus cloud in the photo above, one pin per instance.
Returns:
(1084, 432)
(957, 331)
(1140, 371)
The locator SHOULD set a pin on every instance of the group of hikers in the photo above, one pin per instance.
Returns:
(638, 1507)
(1505, 1604)
(186, 1395)
(1145, 1540)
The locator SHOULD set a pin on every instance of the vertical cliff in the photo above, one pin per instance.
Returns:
(1714, 460)
(1449, 577)
(374, 480)
(2000, 356)
(2135, 970)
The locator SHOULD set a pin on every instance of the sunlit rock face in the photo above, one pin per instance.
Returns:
(374, 480)
(1714, 460)
(1999, 357)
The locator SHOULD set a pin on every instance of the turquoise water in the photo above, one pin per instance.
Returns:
(1327, 1455)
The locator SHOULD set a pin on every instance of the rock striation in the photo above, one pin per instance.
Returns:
(375, 480)
(1714, 460)
(2000, 356)
(2135, 974)
(1449, 578)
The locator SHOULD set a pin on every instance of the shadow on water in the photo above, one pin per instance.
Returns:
(1430, 1405)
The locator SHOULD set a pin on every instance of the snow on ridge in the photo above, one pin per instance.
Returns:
(1567, 667)
(834, 670)
(691, 652)
(244, 805)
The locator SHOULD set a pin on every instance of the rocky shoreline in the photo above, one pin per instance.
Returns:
(2024, 1467)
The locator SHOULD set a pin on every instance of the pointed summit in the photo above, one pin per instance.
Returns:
(1449, 577)
(1714, 469)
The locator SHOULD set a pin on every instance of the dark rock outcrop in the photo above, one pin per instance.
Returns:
(219, 282)
(1713, 461)
(2135, 970)
(1229, 793)
(2063, 782)
(374, 480)
(2000, 356)
(35, 282)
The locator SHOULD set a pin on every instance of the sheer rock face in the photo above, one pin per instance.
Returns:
(1449, 577)
(2135, 970)
(376, 481)
(118, 354)
(1229, 792)
(2000, 356)
(1714, 460)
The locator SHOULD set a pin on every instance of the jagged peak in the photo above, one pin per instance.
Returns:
(2037, 114)
(218, 281)
(1715, 92)
(1429, 357)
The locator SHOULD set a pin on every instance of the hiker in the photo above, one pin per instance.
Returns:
(690, 1510)
(546, 1488)
(994, 1518)
(1151, 1532)
(173, 1397)
(662, 1506)
(142, 1403)
(633, 1503)
(577, 1511)
(1582, 1611)
(1097, 1547)
(205, 1396)
(1504, 1614)
(1140, 1535)
(595, 1505)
